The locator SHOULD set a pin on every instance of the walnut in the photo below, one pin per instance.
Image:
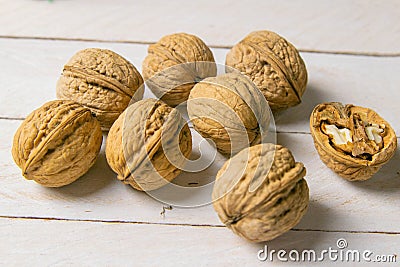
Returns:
(148, 144)
(57, 143)
(102, 81)
(353, 141)
(229, 109)
(174, 64)
(274, 65)
(260, 192)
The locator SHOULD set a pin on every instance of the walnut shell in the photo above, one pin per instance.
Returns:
(274, 65)
(174, 64)
(260, 193)
(230, 110)
(139, 140)
(102, 81)
(357, 157)
(57, 143)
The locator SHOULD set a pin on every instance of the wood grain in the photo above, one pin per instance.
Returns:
(352, 54)
(344, 26)
(335, 204)
(31, 69)
(55, 243)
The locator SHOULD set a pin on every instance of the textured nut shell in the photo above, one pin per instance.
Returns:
(57, 143)
(102, 81)
(273, 64)
(275, 206)
(348, 167)
(136, 135)
(173, 85)
(228, 101)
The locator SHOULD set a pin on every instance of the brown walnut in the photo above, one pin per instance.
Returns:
(229, 109)
(260, 192)
(102, 81)
(57, 143)
(353, 141)
(274, 65)
(175, 64)
(139, 140)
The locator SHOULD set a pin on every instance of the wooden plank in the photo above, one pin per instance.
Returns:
(30, 69)
(362, 81)
(356, 26)
(60, 243)
(97, 195)
(335, 203)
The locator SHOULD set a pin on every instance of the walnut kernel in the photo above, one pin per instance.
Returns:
(353, 141)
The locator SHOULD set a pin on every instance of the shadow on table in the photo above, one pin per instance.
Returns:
(97, 178)
(387, 179)
(317, 216)
(300, 114)
(301, 238)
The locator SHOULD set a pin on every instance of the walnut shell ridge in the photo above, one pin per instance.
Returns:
(148, 145)
(274, 65)
(175, 64)
(346, 165)
(57, 143)
(102, 81)
(260, 192)
(230, 110)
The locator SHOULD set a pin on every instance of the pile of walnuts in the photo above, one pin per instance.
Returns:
(260, 192)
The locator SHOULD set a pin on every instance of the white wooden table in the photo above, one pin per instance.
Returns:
(352, 53)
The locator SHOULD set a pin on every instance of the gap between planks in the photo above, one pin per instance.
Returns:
(278, 132)
(181, 224)
(12, 119)
(312, 51)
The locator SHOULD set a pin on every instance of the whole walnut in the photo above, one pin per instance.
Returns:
(102, 81)
(148, 145)
(274, 65)
(57, 143)
(175, 64)
(230, 110)
(260, 193)
(353, 141)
